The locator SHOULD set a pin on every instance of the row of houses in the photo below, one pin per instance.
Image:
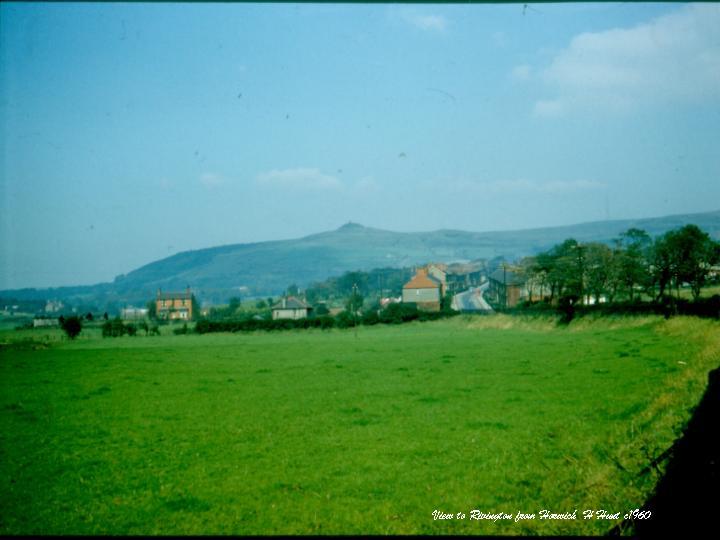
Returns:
(426, 290)
(432, 282)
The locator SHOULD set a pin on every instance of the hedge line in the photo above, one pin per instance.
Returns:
(394, 314)
(667, 306)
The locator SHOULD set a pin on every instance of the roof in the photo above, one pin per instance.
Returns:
(508, 277)
(291, 302)
(174, 295)
(422, 281)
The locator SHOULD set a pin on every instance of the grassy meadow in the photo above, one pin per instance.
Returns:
(365, 431)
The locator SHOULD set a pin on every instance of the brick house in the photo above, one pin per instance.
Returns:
(174, 306)
(506, 288)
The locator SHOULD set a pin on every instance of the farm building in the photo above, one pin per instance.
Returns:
(423, 290)
(174, 305)
(133, 313)
(41, 322)
(290, 308)
(506, 288)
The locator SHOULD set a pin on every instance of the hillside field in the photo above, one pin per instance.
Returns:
(367, 431)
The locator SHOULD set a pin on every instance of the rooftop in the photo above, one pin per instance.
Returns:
(422, 281)
(508, 277)
(291, 302)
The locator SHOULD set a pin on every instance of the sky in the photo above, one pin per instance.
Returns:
(131, 132)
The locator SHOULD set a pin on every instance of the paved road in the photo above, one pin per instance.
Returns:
(471, 300)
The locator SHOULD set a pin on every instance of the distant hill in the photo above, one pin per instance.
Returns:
(267, 268)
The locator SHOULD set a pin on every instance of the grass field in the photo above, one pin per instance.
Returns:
(342, 431)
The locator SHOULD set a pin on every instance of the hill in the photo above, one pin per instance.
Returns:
(267, 268)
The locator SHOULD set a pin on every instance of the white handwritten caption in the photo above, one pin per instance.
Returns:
(479, 515)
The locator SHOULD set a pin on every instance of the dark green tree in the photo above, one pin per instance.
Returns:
(152, 310)
(233, 305)
(293, 290)
(694, 252)
(597, 268)
(72, 326)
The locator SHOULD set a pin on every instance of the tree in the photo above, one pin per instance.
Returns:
(354, 302)
(234, 305)
(261, 304)
(195, 306)
(598, 268)
(143, 325)
(694, 253)
(633, 258)
(321, 309)
(293, 290)
(71, 325)
(89, 316)
(152, 310)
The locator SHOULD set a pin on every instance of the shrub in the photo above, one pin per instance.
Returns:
(370, 318)
(72, 326)
(182, 330)
(113, 328)
(131, 329)
(344, 319)
(399, 313)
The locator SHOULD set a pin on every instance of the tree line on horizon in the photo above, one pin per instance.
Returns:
(633, 266)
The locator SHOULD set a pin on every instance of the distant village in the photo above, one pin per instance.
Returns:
(636, 268)
(462, 287)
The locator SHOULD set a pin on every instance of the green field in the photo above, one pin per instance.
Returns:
(343, 431)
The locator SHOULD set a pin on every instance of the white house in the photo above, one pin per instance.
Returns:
(290, 308)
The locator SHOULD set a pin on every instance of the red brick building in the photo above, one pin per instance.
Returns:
(174, 306)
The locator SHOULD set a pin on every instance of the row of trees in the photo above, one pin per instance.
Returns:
(633, 266)
(393, 314)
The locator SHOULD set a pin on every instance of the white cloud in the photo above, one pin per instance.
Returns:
(211, 180)
(436, 23)
(521, 73)
(299, 178)
(672, 58)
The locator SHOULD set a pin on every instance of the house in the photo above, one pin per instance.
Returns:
(438, 271)
(290, 308)
(133, 313)
(506, 288)
(41, 322)
(385, 302)
(464, 276)
(423, 290)
(53, 306)
(174, 306)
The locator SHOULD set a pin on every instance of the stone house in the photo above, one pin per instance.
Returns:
(291, 308)
(423, 290)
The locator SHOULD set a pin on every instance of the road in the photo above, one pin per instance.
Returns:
(471, 300)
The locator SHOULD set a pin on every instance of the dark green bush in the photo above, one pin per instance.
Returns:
(181, 331)
(71, 325)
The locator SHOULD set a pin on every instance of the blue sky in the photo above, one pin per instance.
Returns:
(132, 132)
